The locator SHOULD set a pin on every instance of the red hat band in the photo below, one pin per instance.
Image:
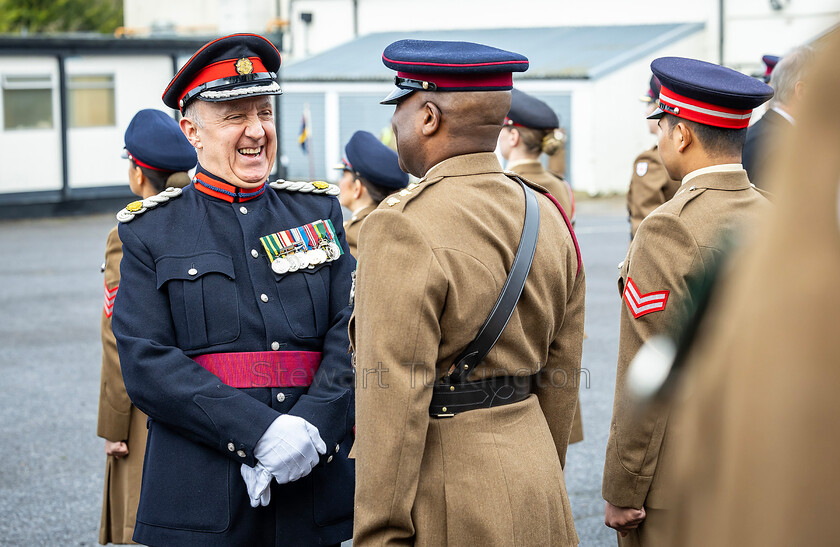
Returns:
(244, 66)
(443, 82)
(701, 112)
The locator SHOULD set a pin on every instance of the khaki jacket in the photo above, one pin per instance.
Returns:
(118, 420)
(760, 411)
(353, 225)
(675, 249)
(431, 266)
(534, 171)
(650, 187)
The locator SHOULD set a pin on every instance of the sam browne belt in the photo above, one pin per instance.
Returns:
(454, 393)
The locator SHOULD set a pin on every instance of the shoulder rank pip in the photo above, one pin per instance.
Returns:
(140, 206)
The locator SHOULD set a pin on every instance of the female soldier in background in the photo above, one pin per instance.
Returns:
(371, 173)
(159, 157)
(531, 128)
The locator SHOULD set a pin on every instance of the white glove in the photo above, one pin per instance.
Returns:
(289, 448)
(258, 482)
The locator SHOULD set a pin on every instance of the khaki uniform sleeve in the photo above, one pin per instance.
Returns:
(557, 383)
(114, 405)
(663, 257)
(395, 331)
(648, 191)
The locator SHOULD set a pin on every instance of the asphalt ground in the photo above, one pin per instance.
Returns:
(51, 295)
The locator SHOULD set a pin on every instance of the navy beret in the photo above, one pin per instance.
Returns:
(228, 68)
(770, 61)
(432, 65)
(374, 161)
(528, 111)
(154, 140)
(707, 93)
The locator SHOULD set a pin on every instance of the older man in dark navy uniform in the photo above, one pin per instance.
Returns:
(231, 324)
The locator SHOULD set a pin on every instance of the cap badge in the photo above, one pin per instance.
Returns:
(244, 66)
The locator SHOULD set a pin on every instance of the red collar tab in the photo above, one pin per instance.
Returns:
(462, 82)
(216, 188)
(701, 112)
(228, 68)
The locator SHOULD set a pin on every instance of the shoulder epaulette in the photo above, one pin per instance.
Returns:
(314, 187)
(142, 205)
(406, 194)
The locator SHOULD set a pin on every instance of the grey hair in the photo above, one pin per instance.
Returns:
(191, 112)
(792, 68)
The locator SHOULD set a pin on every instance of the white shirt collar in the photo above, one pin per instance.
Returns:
(722, 168)
(783, 114)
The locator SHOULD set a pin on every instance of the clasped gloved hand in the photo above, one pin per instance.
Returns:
(258, 482)
(289, 448)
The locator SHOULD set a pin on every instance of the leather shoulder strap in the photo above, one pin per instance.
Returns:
(489, 333)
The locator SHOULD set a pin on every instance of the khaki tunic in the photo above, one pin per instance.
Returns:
(759, 458)
(534, 171)
(431, 267)
(118, 420)
(650, 187)
(352, 227)
(675, 249)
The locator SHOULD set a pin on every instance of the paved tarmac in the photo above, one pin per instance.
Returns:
(51, 295)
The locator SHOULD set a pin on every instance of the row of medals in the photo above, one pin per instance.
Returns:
(299, 258)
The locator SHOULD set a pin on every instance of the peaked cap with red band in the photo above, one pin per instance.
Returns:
(153, 140)
(226, 69)
(770, 61)
(431, 65)
(707, 93)
(528, 111)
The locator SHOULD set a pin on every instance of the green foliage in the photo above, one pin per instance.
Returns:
(50, 16)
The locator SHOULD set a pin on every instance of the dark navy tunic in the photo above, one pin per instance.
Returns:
(196, 280)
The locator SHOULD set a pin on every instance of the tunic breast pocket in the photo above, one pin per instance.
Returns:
(304, 296)
(202, 298)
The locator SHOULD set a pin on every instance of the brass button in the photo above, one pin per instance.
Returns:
(281, 397)
(443, 409)
(254, 253)
(337, 447)
(231, 447)
(275, 345)
(192, 271)
(243, 210)
(264, 297)
(240, 453)
(329, 459)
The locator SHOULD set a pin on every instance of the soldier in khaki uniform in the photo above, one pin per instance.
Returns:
(650, 185)
(159, 157)
(758, 462)
(531, 129)
(703, 114)
(431, 266)
(370, 174)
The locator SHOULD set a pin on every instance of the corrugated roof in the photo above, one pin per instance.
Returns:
(557, 52)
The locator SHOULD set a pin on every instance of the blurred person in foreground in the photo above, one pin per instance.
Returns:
(159, 157)
(790, 81)
(703, 113)
(231, 324)
(532, 129)
(650, 185)
(370, 173)
(486, 469)
(757, 464)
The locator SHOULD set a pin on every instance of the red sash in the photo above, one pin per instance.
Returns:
(263, 368)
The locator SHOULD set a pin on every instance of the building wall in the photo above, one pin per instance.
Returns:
(94, 152)
(30, 158)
